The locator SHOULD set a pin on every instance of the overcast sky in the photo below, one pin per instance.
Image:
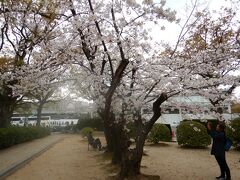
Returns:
(183, 8)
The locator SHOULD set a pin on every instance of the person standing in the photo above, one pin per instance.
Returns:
(218, 149)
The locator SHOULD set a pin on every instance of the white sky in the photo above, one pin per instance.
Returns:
(183, 8)
(172, 30)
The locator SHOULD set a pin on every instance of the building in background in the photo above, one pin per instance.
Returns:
(60, 113)
(173, 115)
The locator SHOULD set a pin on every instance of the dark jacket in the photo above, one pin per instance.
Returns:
(218, 144)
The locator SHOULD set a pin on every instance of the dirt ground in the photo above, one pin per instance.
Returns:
(71, 160)
(171, 162)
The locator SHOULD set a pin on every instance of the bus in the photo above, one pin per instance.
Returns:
(18, 121)
(31, 120)
(45, 120)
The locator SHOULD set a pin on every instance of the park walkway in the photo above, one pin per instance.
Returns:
(68, 159)
(16, 156)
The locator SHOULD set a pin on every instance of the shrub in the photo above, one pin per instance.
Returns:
(159, 132)
(15, 135)
(233, 131)
(95, 123)
(192, 134)
(214, 122)
(85, 131)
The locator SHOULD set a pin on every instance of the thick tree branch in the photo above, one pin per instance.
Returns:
(156, 112)
(103, 42)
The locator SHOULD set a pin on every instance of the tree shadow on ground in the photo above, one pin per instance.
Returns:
(138, 177)
(104, 159)
(112, 170)
(161, 144)
(191, 148)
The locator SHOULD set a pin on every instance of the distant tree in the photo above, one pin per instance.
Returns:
(47, 91)
(210, 52)
(28, 28)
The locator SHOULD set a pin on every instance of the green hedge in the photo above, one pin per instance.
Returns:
(15, 135)
(95, 123)
(233, 131)
(159, 132)
(192, 134)
(214, 122)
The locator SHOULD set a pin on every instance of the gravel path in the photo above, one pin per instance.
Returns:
(66, 160)
(71, 160)
(171, 162)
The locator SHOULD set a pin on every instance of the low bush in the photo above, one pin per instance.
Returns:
(213, 122)
(95, 123)
(192, 134)
(159, 132)
(233, 132)
(85, 131)
(15, 135)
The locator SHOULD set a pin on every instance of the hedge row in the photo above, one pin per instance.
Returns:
(15, 135)
(95, 123)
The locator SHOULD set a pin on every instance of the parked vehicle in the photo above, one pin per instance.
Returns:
(19, 121)
(31, 120)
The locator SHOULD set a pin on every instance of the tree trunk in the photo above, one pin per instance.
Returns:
(112, 135)
(108, 132)
(108, 129)
(117, 143)
(6, 112)
(109, 117)
(39, 114)
(131, 159)
(7, 104)
(130, 166)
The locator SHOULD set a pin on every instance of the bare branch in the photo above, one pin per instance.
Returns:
(103, 42)
(182, 34)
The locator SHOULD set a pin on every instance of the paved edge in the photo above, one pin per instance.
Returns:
(21, 164)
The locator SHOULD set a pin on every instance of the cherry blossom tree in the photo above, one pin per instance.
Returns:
(145, 78)
(48, 90)
(109, 33)
(111, 39)
(25, 27)
(112, 58)
(211, 54)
